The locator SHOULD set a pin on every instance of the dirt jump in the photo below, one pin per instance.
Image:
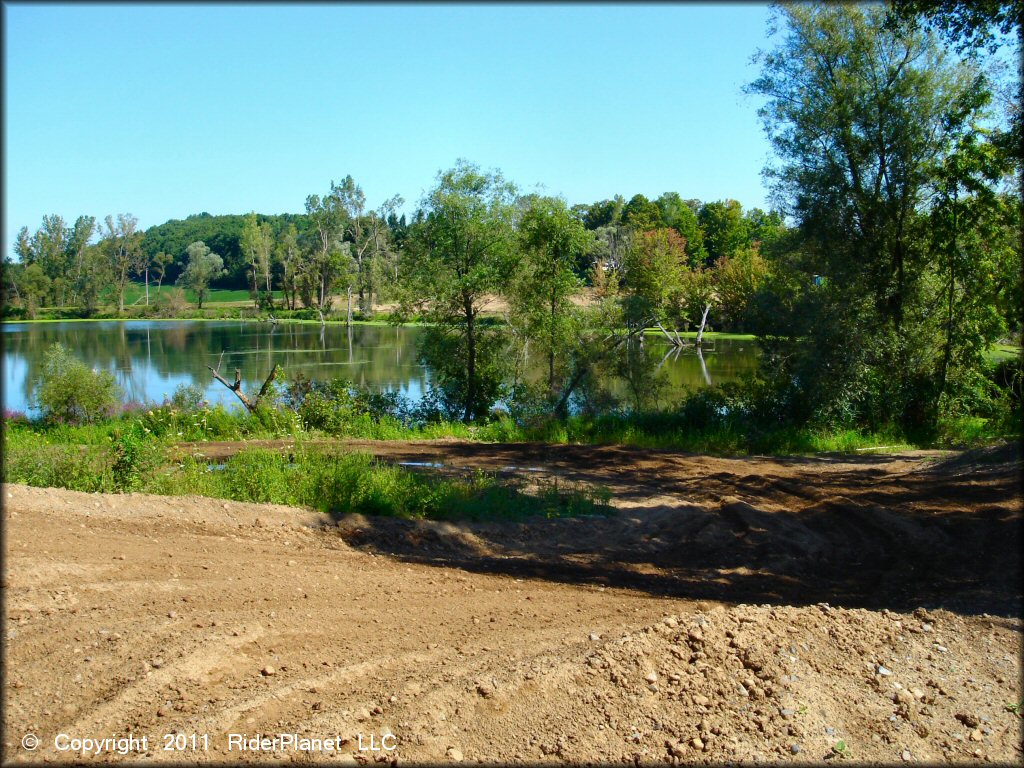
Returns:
(848, 608)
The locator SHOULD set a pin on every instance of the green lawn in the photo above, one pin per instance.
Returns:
(136, 294)
(1000, 352)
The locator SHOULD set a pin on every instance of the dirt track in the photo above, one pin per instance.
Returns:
(610, 640)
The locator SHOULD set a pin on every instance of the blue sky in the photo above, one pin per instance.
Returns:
(165, 111)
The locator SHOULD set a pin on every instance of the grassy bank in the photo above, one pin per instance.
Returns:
(332, 484)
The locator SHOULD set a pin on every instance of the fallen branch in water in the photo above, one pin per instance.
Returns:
(236, 387)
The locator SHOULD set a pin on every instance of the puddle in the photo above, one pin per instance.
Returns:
(431, 464)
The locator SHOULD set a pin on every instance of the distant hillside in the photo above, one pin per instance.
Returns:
(220, 233)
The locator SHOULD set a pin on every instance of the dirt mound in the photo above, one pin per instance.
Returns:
(896, 532)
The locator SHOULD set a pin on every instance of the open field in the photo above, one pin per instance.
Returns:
(686, 627)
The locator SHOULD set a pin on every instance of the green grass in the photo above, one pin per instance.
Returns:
(134, 293)
(333, 484)
(1000, 352)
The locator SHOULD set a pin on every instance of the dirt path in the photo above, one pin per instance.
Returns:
(151, 615)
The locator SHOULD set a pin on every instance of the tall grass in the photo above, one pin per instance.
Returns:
(333, 484)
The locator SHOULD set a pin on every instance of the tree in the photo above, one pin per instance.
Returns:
(78, 243)
(552, 241)
(329, 255)
(257, 242)
(287, 253)
(95, 277)
(861, 115)
(461, 253)
(678, 214)
(972, 25)
(653, 274)
(724, 228)
(69, 390)
(641, 214)
(737, 280)
(33, 286)
(160, 263)
(122, 244)
(203, 267)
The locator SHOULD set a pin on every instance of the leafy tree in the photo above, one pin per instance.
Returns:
(161, 262)
(972, 25)
(122, 244)
(606, 213)
(653, 274)
(681, 216)
(861, 116)
(641, 214)
(737, 280)
(68, 391)
(462, 252)
(552, 242)
(202, 268)
(95, 277)
(329, 255)
(724, 228)
(257, 242)
(78, 243)
(287, 253)
(33, 286)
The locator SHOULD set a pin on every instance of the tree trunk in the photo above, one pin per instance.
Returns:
(250, 405)
(348, 317)
(470, 364)
(147, 286)
(703, 322)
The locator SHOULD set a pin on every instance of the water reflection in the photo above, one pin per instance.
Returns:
(150, 359)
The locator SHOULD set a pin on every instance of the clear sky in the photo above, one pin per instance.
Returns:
(167, 110)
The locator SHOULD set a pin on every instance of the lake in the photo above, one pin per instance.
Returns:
(151, 358)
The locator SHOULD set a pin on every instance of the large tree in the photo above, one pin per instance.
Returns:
(257, 243)
(202, 268)
(461, 254)
(552, 241)
(122, 245)
(329, 256)
(861, 116)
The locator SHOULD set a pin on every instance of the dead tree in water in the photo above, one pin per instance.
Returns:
(237, 386)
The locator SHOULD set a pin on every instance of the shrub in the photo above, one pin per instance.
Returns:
(134, 458)
(69, 391)
(188, 397)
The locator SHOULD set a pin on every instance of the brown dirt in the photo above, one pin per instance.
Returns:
(634, 638)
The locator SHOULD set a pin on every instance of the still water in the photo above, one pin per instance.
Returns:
(151, 358)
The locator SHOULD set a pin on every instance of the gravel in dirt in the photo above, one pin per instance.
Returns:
(547, 641)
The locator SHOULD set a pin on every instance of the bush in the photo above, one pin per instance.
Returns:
(188, 397)
(68, 391)
(134, 458)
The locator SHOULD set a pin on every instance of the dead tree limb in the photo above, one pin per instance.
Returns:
(236, 387)
(703, 322)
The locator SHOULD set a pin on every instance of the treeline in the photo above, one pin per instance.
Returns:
(336, 245)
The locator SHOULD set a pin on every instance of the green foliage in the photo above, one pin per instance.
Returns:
(725, 229)
(69, 391)
(462, 250)
(552, 243)
(877, 132)
(188, 397)
(134, 457)
(203, 267)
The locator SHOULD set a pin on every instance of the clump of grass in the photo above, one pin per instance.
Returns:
(357, 482)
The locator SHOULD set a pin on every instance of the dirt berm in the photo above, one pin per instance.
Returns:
(690, 626)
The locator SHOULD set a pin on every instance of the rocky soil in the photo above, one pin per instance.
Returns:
(674, 631)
